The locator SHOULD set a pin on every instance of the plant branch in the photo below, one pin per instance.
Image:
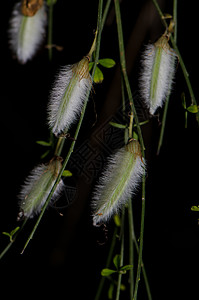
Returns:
(124, 72)
(121, 254)
(13, 239)
(50, 29)
(168, 97)
(123, 68)
(181, 62)
(99, 30)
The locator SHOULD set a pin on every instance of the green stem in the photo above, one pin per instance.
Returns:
(121, 255)
(131, 250)
(123, 68)
(175, 15)
(108, 262)
(59, 146)
(133, 239)
(13, 240)
(50, 29)
(124, 72)
(181, 62)
(168, 97)
(141, 240)
(76, 132)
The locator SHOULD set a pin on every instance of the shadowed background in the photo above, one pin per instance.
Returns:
(67, 253)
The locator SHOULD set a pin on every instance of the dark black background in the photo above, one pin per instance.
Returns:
(66, 255)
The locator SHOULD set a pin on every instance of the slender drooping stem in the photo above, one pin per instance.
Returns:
(124, 72)
(181, 62)
(50, 29)
(168, 97)
(134, 240)
(131, 249)
(121, 254)
(128, 88)
(99, 30)
(13, 240)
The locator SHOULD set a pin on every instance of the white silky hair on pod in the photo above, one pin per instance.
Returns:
(63, 110)
(26, 33)
(36, 189)
(165, 76)
(117, 165)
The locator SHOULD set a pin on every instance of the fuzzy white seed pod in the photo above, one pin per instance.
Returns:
(68, 95)
(37, 187)
(118, 182)
(26, 33)
(157, 73)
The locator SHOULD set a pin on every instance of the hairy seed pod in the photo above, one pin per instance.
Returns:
(37, 187)
(26, 33)
(118, 182)
(157, 73)
(68, 95)
(30, 7)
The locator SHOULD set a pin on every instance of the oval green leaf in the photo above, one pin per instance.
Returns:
(107, 62)
(67, 173)
(98, 76)
(107, 272)
(43, 143)
(195, 208)
(117, 125)
(116, 261)
(192, 109)
(126, 268)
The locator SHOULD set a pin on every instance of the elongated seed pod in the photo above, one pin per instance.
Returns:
(118, 182)
(37, 187)
(157, 73)
(26, 33)
(68, 95)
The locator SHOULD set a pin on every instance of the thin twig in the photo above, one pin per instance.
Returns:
(128, 88)
(50, 29)
(133, 240)
(168, 97)
(124, 72)
(77, 129)
(181, 62)
(121, 254)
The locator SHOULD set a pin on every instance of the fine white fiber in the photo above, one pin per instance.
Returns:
(158, 68)
(26, 33)
(68, 95)
(118, 182)
(37, 187)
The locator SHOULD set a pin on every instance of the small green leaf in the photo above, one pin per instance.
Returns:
(43, 143)
(98, 76)
(67, 173)
(12, 233)
(6, 233)
(107, 62)
(195, 208)
(110, 291)
(126, 268)
(117, 220)
(117, 125)
(192, 109)
(107, 272)
(116, 261)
